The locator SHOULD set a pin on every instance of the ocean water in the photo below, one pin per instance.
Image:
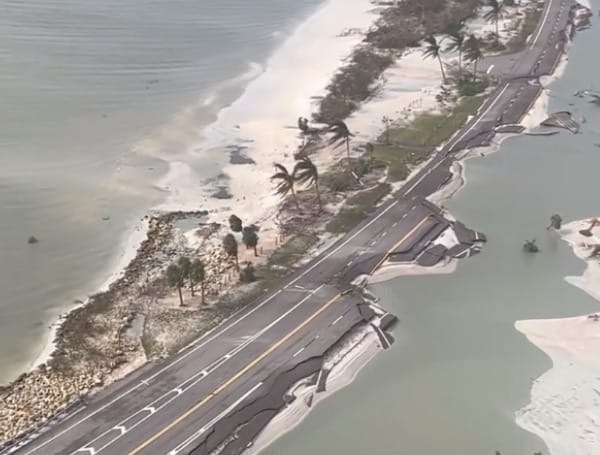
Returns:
(459, 370)
(97, 99)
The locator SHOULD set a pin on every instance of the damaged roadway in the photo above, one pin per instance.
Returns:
(226, 386)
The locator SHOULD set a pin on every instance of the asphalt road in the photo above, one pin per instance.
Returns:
(189, 401)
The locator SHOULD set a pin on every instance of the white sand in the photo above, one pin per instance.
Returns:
(565, 401)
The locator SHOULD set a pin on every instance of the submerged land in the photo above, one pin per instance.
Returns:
(140, 319)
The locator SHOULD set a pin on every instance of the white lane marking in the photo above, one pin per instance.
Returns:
(489, 70)
(121, 429)
(404, 216)
(193, 383)
(343, 244)
(209, 339)
(213, 337)
(89, 450)
(349, 262)
(459, 138)
(542, 23)
(384, 234)
(298, 351)
(373, 243)
(337, 320)
(202, 430)
(395, 224)
(482, 115)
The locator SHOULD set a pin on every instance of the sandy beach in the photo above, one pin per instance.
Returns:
(565, 403)
(262, 127)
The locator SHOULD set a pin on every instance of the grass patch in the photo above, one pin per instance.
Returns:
(357, 208)
(526, 27)
(292, 250)
(413, 144)
(469, 87)
(339, 179)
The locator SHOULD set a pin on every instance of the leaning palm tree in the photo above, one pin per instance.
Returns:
(340, 134)
(176, 279)
(473, 51)
(305, 172)
(457, 43)
(495, 13)
(285, 183)
(434, 50)
(230, 246)
(197, 275)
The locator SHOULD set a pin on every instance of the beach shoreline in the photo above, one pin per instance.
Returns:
(563, 408)
(219, 213)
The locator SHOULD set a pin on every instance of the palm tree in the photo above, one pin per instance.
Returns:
(305, 171)
(185, 265)
(457, 43)
(286, 183)
(250, 238)
(230, 246)
(495, 13)
(197, 275)
(473, 51)
(340, 134)
(434, 50)
(176, 279)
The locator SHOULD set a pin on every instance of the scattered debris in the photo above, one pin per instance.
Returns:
(562, 119)
(530, 246)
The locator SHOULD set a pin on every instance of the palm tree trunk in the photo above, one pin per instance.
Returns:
(255, 252)
(318, 196)
(237, 263)
(497, 34)
(460, 59)
(348, 148)
(475, 69)
(180, 296)
(192, 287)
(442, 69)
(202, 291)
(296, 200)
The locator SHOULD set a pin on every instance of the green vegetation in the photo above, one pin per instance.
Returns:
(467, 86)
(176, 279)
(285, 183)
(414, 143)
(250, 238)
(235, 223)
(525, 29)
(230, 246)
(305, 172)
(291, 251)
(247, 274)
(357, 208)
(402, 25)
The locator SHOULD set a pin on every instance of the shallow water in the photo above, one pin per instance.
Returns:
(459, 370)
(97, 99)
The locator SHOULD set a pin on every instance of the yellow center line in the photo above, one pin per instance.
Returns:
(261, 357)
(231, 380)
(400, 242)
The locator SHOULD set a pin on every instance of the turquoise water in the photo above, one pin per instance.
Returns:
(459, 370)
(97, 99)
